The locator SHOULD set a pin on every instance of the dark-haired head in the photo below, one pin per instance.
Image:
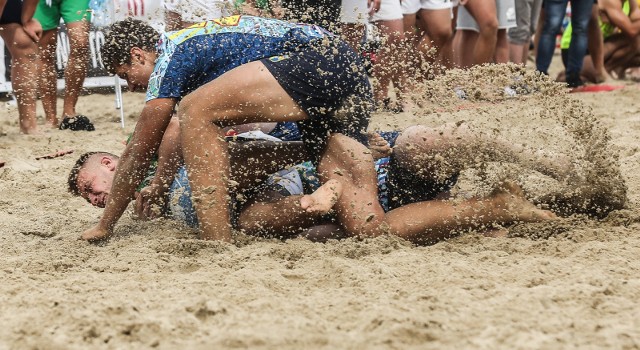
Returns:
(121, 37)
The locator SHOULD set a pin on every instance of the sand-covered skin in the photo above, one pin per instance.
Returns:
(566, 284)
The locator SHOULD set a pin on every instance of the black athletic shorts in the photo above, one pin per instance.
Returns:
(322, 78)
(12, 12)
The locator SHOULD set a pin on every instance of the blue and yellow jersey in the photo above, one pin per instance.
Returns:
(192, 57)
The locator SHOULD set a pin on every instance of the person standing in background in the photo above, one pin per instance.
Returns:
(427, 24)
(324, 13)
(476, 33)
(527, 13)
(555, 11)
(390, 67)
(76, 16)
(354, 15)
(21, 33)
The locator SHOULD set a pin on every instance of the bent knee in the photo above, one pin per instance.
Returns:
(440, 37)
(22, 49)
(490, 29)
(189, 110)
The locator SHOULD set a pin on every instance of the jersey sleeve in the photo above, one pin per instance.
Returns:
(172, 73)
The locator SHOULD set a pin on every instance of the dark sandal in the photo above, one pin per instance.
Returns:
(77, 123)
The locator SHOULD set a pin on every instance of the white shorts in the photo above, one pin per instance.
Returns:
(200, 10)
(389, 10)
(410, 7)
(354, 11)
(506, 16)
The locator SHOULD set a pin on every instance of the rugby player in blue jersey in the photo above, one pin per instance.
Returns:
(237, 70)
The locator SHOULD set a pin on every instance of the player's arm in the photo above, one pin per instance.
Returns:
(169, 155)
(28, 9)
(169, 160)
(133, 164)
(620, 19)
(31, 26)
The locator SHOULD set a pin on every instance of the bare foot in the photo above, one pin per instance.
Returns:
(603, 77)
(29, 126)
(517, 207)
(378, 145)
(323, 199)
(634, 74)
(53, 123)
(31, 131)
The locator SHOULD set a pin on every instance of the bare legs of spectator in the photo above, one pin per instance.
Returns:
(75, 71)
(485, 14)
(502, 47)
(437, 33)
(24, 65)
(596, 46)
(389, 66)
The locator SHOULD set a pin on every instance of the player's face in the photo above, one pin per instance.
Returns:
(138, 72)
(95, 181)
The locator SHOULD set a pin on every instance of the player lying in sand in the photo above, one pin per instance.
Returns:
(274, 210)
(286, 204)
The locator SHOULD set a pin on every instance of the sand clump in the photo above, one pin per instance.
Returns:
(567, 283)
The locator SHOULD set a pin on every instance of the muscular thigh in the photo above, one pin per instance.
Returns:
(437, 22)
(246, 94)
(348, 161)
(20, 41)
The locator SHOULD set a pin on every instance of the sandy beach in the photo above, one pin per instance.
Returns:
(571, 283)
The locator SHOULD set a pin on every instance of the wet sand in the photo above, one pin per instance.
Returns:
(573, 283)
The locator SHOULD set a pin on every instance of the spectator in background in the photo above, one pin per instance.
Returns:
(477, 32)
(389, 67)
(527, 13)
(21, 33)
(619, 23)
(76, 16)
(435, 29)
(354, 15)
(555, 11)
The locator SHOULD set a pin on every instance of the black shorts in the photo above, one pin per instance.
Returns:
(322, 77)
(12, 12)
(404, 187)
